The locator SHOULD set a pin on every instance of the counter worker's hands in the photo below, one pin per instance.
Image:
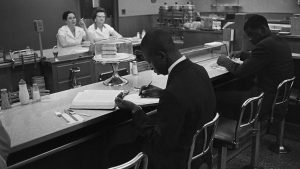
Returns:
(82, 24)
(124, 104)
(150, 91)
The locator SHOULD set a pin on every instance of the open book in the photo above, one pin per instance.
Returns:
(105, 99)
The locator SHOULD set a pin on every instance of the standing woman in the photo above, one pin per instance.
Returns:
(99, 30)
(70, 34)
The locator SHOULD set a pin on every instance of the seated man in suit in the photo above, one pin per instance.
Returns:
(4, 146)
(187, 103)
(270, 62)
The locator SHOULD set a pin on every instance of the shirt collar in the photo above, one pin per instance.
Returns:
(175, 63)
(96, 27)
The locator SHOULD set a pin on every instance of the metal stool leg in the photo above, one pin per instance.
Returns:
(281, 148)
(255, 149)
(222, 157)
(278, 147)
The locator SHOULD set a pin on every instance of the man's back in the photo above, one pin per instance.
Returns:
(278, 62)
(187, 104)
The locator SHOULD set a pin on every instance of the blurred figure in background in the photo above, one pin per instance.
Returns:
(70, 34)
(99, 30)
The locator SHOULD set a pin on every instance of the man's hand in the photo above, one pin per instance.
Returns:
(150, 91)
(222, 60)
(124, 104)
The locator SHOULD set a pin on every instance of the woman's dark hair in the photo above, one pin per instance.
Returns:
(256, 21)
(65, 15)
(94, 14)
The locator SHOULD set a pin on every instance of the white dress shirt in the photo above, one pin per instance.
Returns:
(107, 31)
(67, 38)
(175, 63)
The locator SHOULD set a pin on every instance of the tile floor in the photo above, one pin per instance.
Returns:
(269, 159)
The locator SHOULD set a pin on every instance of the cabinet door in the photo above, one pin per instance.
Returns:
(64, 74)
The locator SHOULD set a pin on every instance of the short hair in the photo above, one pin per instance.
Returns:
(94, 14)
(256, 21)
(157, 40)
(65, 15)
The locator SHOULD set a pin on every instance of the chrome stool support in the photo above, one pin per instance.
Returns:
(279, 110)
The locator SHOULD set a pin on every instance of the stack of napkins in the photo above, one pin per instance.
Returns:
(105, 99)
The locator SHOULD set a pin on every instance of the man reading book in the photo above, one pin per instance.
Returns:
(187, 103)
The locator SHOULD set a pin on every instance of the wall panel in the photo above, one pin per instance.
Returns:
(16, 30)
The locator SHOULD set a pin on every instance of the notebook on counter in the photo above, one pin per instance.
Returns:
(105, 99)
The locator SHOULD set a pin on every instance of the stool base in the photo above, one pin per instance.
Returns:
(278, 149)
(115, 81)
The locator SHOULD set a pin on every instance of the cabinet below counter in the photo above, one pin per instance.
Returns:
(58, 74)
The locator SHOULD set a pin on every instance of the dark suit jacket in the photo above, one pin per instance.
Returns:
(187, 103)
(271, 62)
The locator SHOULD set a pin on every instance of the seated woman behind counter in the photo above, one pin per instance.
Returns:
(70, 34)
(99, 30)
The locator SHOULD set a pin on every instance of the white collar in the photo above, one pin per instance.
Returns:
(175, 63)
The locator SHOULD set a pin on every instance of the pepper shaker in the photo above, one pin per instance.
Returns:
(5, 104)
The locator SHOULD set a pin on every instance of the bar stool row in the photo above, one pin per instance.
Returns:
(226, 133)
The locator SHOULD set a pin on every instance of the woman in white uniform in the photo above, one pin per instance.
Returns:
(99, 30)
(70, 34)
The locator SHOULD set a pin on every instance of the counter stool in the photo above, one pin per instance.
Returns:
(208, 131)
(231, 133)
(135, 162)
(74, 71)
(279, 111)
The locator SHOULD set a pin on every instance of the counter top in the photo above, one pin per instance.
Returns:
(35, 123)
(290, 36)
(203, 31)
(296, 55)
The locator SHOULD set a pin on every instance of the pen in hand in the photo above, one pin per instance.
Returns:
(144, 87)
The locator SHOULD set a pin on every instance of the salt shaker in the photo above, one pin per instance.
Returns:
(138, 35)
(35, 93)
(134, 69)
(23, 92)
(5, 104)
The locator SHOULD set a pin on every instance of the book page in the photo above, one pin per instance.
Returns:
(135, 98)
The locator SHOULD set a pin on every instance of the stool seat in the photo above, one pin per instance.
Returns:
(226, 129)
(230, 133)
